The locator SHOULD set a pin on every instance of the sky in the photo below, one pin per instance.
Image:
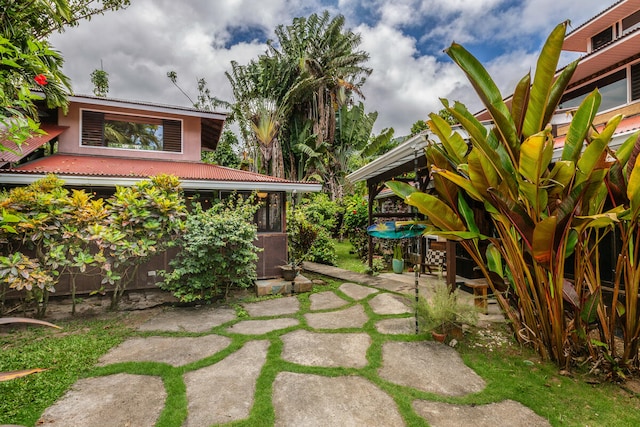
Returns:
(405, 40)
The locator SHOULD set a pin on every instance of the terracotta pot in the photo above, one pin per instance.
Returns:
(438, 336)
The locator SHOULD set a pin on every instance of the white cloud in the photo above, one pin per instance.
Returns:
(139, 45)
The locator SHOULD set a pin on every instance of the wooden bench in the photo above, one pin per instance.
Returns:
(480, 289)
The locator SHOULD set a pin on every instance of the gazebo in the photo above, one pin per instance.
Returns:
(406, 158)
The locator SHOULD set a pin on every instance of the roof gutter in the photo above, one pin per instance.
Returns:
(187, 184)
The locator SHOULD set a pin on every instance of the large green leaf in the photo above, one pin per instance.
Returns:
(401, 189)
(517, 216)
(591, 157)
(437, 212)
(494, 259)
(467, 214)
(589, 311)
(460, 181)
(623, 153)
(560, 176)
(482, 174)
(535, 156)
(579, 127)
(543, 80)
(544, 240)
(609, 129)
(519, 102)
(558, 89)
(446, 189)
(487, 90)
(633, 190)
(455, 146)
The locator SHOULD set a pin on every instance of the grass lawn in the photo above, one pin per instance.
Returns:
(347, 260)
(511, 372)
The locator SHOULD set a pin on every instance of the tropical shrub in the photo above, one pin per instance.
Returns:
(217, 252)
(47, 231)
(322, 211)
(142, 221)
(541, 211)
(355, 223)
(323, 249)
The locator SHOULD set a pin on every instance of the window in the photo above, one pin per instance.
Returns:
(635, 82)
(631, 22)
(269, 216)
(602, 38)
(100, 129)
(613, 89)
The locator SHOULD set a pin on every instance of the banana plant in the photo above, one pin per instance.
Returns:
(538, 209)
(623, 185)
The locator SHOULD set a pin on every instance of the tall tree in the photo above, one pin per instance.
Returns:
(308, 73)
(28, 61)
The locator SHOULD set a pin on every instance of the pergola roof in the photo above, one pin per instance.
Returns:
(395, 162)
(402, 158)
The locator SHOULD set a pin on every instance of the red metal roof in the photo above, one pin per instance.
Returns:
(63, 164)
(30, 145)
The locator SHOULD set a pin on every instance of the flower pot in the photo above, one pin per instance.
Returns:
(438, 336)
(289, 273)
(398, 266)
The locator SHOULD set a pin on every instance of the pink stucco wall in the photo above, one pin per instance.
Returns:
(69, 140)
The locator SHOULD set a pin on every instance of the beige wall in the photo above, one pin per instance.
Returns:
(69, 140)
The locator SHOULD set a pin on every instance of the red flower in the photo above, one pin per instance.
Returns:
(41, 79)
(355, 212)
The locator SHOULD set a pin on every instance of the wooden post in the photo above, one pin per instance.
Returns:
(451, 264)
(372, 195)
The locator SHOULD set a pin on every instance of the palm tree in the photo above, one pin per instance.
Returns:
(312, 69)
(329, 67)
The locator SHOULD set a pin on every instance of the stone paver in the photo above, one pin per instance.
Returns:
(328, 350)
(224, 392)
(428, 366)
(199, 319)
(446, 415)
(405, 325)
(175, 351)
(325, 301)
(355, 291)
(389, 304)
(352, 317)
(314, 400)
(273, 307)
(259, 327)
(95, 402)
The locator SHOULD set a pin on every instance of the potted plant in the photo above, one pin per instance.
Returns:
(289, 271)
(398, 261)
(443, 314)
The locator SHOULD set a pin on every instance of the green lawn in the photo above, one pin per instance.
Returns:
(347, 260)
(510, 371)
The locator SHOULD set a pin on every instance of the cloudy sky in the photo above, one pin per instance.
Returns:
(404, 38)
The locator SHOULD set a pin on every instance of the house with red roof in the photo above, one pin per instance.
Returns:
(101, 143)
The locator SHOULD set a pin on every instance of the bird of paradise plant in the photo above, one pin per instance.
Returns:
(540, 210)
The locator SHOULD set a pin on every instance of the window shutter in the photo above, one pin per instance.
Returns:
(172, 135)
(635, 82)
(602, 38)
(92, 128)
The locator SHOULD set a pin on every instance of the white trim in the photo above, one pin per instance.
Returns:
(187, 184)
(142, 150)
(403, 153)
(184, 111)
